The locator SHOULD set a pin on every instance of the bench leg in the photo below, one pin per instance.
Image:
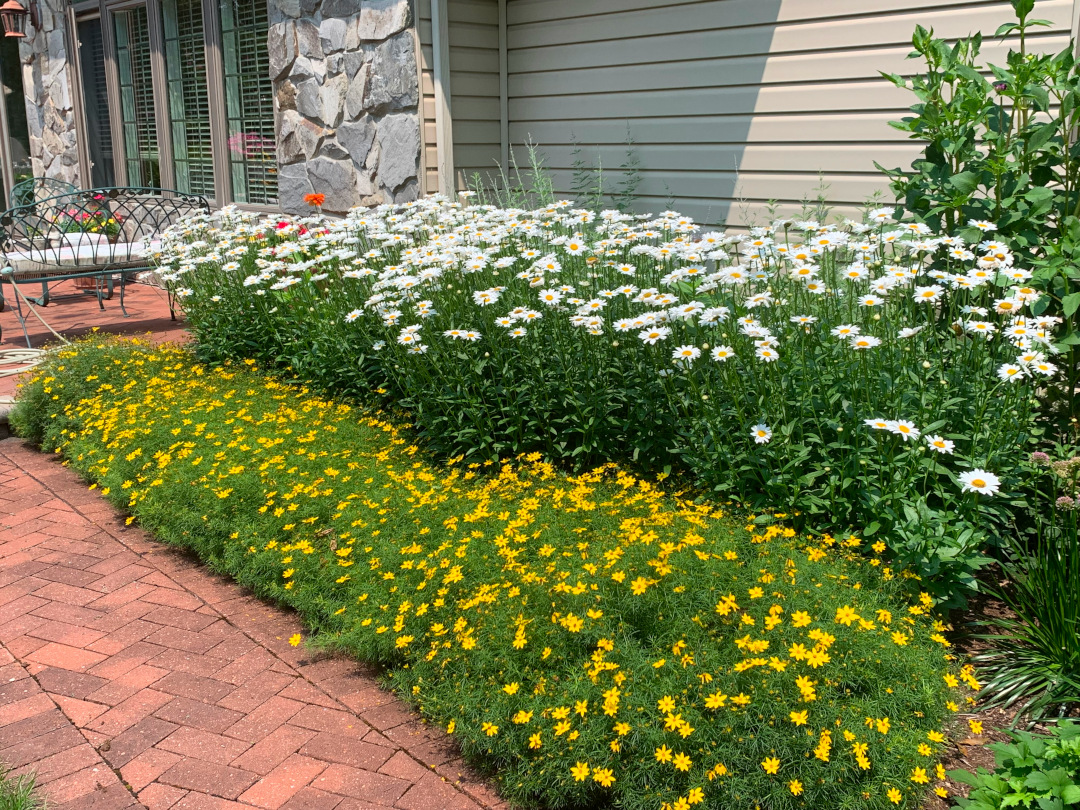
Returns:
(44, 300)
(99, 286)
(123, 284)
(3, 303)
(19, 314)
(109, 286)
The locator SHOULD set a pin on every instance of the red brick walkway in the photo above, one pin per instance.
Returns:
(132, 677)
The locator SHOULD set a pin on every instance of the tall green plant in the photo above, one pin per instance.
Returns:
(1035, 661)
(1001, 150)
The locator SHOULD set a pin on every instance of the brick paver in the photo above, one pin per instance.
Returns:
(132, 677)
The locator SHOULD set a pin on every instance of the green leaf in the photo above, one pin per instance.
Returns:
(1038, 140)
(1069, 304)
(965, 182)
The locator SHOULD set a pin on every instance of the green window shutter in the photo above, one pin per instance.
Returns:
(189, 102)
(249, 101)
(137, 97)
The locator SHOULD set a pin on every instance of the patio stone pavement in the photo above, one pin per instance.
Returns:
(133, 677)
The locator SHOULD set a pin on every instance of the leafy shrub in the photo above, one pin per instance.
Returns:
(1036, 655)
(595, 641)
(852, 374)
(1032, 771)
(1000, 146)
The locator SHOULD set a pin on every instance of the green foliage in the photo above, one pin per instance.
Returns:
(1003, 150)
(19, 793)
(590, 639)
(495, 350)
(1035, 660)
(1040, 772)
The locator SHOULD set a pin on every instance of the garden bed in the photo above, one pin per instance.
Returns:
(591, 639)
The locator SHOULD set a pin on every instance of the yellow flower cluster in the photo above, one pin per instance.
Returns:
(588, 633)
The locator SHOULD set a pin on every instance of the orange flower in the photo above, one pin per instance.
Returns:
(315, 199)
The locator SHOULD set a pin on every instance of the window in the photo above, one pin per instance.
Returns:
(190, 97)
(137, 119)
(14, 135)
(249, 101)
(189, 102)
(96, 102)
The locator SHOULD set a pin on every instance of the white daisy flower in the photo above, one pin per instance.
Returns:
(904, 429)
(761, 433)
(862, 342)
(686, 354)
(651, 336)
(1010, 373)
(939, 444)
(722, 353)
(980, 481)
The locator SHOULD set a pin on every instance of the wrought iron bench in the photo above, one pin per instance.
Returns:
(103, 234)
(39, 188)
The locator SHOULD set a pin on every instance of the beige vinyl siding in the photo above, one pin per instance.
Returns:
(429, 183)
(733, 103)
(474, 87)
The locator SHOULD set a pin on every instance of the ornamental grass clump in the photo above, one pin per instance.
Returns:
(856, 374)
(592, 639)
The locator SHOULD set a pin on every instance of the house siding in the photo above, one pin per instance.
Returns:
(732, 104)
(475, 88)
(430, 146)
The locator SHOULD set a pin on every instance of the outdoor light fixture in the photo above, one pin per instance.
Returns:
(13, 16)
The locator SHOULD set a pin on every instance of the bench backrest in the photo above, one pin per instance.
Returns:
(39, 188)
(93, 227)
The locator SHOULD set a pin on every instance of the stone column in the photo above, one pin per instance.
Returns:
(346, 101)
(50, 112)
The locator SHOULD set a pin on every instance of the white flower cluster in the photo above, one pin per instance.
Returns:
(489, 275)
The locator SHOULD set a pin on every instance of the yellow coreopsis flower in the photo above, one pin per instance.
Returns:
(846, 615)
(604, 776)
(770, 765)
(795, 786)
(919, 777)
(894, 795)
(662, 754)
(580, 771)
(682, 762)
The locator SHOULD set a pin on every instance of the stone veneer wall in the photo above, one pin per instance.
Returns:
(347, 96)
(50, 114)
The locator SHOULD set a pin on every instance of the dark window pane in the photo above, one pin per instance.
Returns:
(189, 103)
(95, 99)
(249, 101)
(137, 97)
(15, 105)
